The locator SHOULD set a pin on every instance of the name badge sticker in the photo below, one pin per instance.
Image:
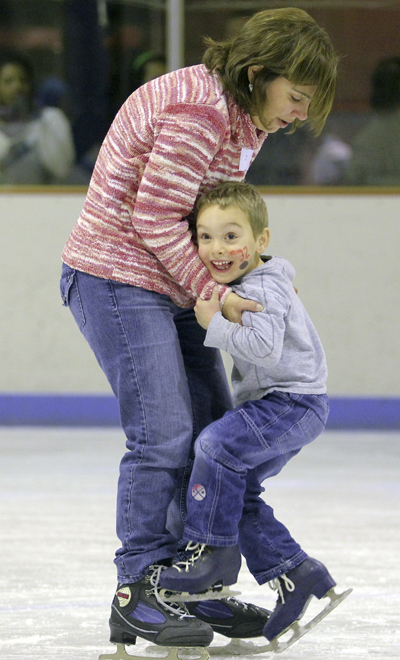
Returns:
(245, 159)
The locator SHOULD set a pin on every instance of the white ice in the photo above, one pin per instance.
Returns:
(339, 497)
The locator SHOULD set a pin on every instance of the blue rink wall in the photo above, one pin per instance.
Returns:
(346, 413)
(342, 243)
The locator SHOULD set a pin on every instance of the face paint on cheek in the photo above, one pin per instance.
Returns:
(243, 265)
(243, 254)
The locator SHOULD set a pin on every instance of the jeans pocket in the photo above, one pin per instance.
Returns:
(66, 281)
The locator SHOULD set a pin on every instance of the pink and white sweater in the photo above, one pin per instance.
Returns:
(173, 139)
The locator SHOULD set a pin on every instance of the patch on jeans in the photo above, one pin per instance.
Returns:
(198, 492)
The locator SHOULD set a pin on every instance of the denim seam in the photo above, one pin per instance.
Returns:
(215, 498)
(260, 530)
(129, 500)
(273, 421)
(191, 534)
(184, 489)
(213, 453)
(75, 281)
(283, 568)
(249, 422)
(326, 406)
(114, 301)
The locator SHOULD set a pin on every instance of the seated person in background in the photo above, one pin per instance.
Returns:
(331, 160)
(146, 67)
(376, 148)
(283, 159)
(36, 143)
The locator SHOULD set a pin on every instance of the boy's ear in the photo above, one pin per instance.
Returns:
(263, 240)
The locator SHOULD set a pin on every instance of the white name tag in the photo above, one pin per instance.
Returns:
(245, 159)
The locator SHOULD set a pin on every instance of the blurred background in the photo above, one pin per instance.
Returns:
(89, 55)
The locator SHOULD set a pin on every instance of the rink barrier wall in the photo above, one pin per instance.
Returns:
(347, 413)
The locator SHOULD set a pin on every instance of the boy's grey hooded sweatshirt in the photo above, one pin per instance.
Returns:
(276, 349)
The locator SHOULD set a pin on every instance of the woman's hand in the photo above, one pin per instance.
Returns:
(234, 306)
(205, 309)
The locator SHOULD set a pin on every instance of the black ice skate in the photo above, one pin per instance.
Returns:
(296, 589)
(138, 611)
(204, 568)
(231, 618)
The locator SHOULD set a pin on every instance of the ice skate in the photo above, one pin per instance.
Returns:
(205, 569)
(231, 618)
(138, 611)
(309, 579)
(216, 592)
(296, 589)
(159, 652)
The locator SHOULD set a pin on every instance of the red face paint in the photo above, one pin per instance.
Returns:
(243, 253)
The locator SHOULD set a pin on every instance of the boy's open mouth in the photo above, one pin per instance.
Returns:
(222, 265)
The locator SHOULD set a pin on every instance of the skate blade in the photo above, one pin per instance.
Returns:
(156, 651)
(186, 597)
(301, 630)
(244, 648)
(239, 647)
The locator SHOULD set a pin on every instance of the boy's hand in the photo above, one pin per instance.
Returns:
(234, 306)
(205, 309)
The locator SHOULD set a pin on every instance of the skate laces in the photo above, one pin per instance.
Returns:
(186, 564)
(153, 577)
(277, 586)
(238, 603)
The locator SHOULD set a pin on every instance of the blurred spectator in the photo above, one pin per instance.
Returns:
(376, 148)
(52, 93)
(331, 160)
(282, 160)
(36, 143)
(146, 67)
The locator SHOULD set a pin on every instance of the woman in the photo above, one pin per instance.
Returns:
(36, 144)
(131, 276)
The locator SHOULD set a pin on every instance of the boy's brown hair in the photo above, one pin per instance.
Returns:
(243, 195)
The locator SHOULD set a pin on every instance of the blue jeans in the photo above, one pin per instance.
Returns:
(169, 387)
(234, 455)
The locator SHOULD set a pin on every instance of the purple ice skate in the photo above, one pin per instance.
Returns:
(204, 567)
(296, 589)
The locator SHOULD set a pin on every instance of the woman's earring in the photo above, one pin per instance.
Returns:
(251, 87)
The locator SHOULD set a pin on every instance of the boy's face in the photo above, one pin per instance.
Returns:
(226, 242)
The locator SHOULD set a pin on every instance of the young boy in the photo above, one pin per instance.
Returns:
(279, 383)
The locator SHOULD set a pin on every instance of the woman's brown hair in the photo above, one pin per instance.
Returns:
(286, 43)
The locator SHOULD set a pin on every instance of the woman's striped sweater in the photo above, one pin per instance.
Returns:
(173, 139)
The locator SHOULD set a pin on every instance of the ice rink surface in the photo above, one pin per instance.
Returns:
(340, 499)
